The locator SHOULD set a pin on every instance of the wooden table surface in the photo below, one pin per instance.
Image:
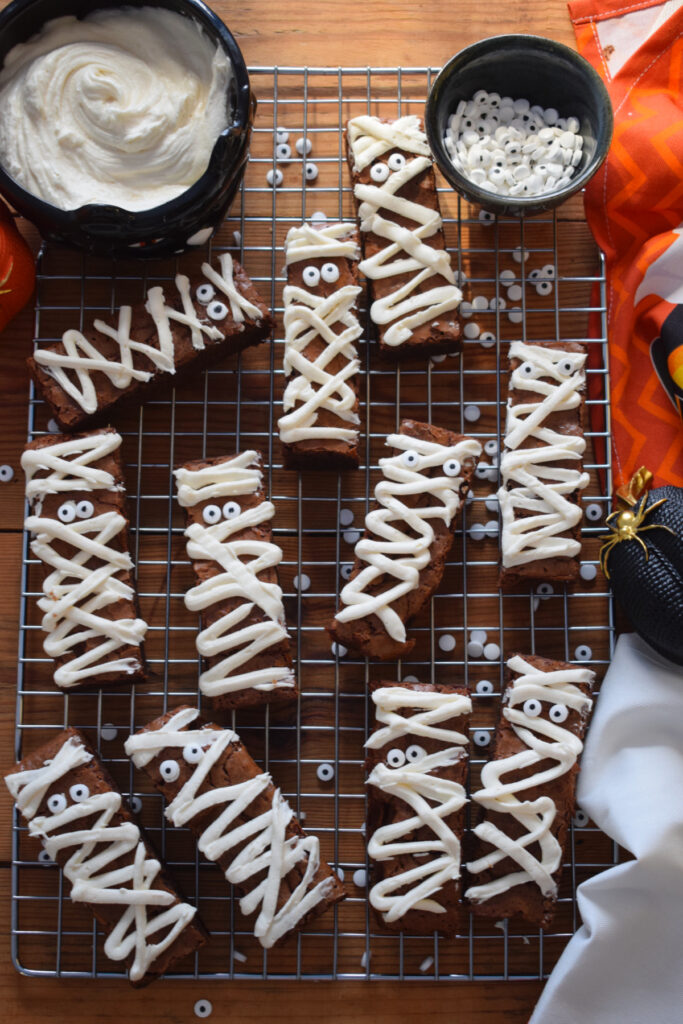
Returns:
(379, 32)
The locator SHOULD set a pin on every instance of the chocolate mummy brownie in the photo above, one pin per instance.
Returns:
(413, 287)
(76, 493)
(72, 805)
(229, 539)
(319, 428)
(178, 328)
(240, 820)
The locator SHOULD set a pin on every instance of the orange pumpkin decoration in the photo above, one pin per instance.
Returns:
(17, 269)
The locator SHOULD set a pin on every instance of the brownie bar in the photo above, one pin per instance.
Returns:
(379, 600)
(177, 330)
(244, 638)
(319, 428)
(416, 776)
(511, 876)
(240, 821)
(76, 492)
(540, 493)
(71, 803)
(414, 309)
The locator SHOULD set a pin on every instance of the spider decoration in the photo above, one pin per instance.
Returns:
(628, 526)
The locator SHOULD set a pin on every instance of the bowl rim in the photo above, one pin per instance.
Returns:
(523, 204)
(153, 216)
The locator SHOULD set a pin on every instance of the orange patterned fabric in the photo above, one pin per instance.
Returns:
(634, 206)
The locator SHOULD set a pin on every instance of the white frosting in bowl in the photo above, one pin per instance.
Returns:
(121, 108)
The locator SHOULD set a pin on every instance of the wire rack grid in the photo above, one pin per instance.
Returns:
(318, 519)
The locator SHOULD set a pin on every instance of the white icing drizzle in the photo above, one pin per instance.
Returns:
(82, 358)
(261, 841)
(432, 799)
(545, 741)
(391, 549)
(239, 579)
(96, 848)
(531, 481)
(308, 316)
(406, 251)
(74, 594)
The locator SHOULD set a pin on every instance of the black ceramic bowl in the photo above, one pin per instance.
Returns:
(172, 227)
(524, 67)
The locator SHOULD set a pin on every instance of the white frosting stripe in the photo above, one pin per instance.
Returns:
(399, 536)
(409, 305)
(243, 561)
(536, 505)
(73, 367)
(309, 318)
(265, 855)
(545, 741)
(76, 594)
(432, 797)
(95, 849)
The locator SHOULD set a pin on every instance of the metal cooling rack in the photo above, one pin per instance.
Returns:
(317, 520)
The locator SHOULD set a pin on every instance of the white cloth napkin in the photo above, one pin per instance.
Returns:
(625, 964)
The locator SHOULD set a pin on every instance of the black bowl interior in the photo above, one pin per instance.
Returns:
(533, 68)
(109, 229)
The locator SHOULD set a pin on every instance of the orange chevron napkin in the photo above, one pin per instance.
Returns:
(634, 206)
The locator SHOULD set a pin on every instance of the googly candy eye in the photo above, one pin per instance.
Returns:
(415, 753)
(170, 770)
(329, 272)
(79, 793)
(231, 509)
(532, 707)
(204, 293)
(379, 172)
(396, 162)
(452, 467)
(217, 310)
(410, 458)
(528, 370)
(192, 754)
(559, 713)
(56, 803)
(311, 276)
(565, 368)
(67, 512)
(85, 509)
(211, 514)
(396, 758)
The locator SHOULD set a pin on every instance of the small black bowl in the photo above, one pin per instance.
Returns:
(524, 67)
(190, 218)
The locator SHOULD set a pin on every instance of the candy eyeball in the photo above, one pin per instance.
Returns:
(415, 753)
(217, 310)
(79, 793)
(329, 272)
(204, 293)
(565, 368)
(396, 758)
(396, 162)
(379, 172)
(56, 803)
(532, 707)
(67, 512)
(528, 370)
(452, 467)
(410, 458)
(192, 754)
(311, 276)
(170, 770)
(211, 514)
(559, 713)
(85, 509)
(231, 510)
